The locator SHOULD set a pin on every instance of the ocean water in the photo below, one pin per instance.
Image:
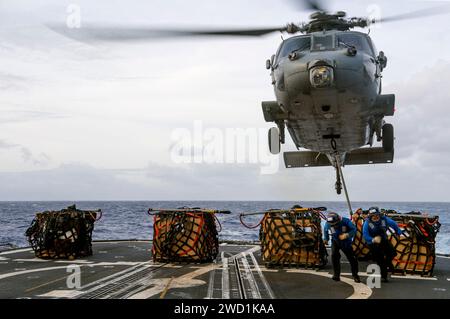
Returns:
(129, 219)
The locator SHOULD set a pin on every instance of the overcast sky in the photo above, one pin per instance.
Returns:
(96, 121)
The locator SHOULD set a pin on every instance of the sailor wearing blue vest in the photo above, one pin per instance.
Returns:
(342, 232)
(374, 232)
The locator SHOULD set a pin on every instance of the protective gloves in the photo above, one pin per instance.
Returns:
(376, 240)
(343, 236)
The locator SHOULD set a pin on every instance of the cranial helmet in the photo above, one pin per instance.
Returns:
(374, 211)
(333, 218)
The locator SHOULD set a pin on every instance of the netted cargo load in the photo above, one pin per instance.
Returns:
(360, 247)
(415, 248)
(64, 234)
(185, 235)
(292, 238)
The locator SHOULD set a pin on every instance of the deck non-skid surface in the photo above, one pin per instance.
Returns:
(125, 270)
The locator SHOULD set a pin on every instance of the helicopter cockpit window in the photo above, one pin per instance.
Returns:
(359, 41)
(322, 43)
(301, 43)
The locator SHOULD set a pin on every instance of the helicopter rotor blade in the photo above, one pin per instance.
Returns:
(315, 5)
(142, 33)
(415, 14)
(136, 34)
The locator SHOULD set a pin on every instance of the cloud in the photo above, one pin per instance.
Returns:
(421, 122)
(18, 114)
(67, 182)
(78, 181)
(26, 154)
(123, 99)
(9, 81)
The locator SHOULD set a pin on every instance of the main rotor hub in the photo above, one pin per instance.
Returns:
(323, 21)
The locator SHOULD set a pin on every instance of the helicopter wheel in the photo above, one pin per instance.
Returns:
(274, 140)
(388, 137)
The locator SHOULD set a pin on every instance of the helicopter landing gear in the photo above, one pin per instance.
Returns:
(388, 137)
(276, 137)
(274, 140)
(377, 128)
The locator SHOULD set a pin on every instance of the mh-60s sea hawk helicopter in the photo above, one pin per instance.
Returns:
(328, 95)
(328, 92)
(327, 85)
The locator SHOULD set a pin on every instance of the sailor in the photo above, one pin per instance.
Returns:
(342, 231)
(374, 232)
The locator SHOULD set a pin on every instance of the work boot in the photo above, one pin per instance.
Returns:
(356, 279)
(390, 267)
(336, 278)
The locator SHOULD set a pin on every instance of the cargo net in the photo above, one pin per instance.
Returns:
(292, 238)
(360, 247)
(185, 235)
(65, 234)
(415, 248)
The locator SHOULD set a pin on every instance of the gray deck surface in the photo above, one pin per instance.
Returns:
(123, 269)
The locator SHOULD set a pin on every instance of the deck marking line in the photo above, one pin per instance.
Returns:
(166, 289)
(32, 260)
(360, 290)
(413, 277)
(14, 251)
(17, 273)
(212, 277)
(225, 277)
(133, 280)
(234, 259)
(80, 261)
(210, 293)
(248, 276)
(109, 291)
(61, 294)
(263, 278)
(113, 281)
(184, 281)
(47, 283)
(110, 277)
(138, 285)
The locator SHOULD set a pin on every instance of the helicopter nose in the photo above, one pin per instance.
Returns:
(321, 76)
(302, 76)
(335, 73)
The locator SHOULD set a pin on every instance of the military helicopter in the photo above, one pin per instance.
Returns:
(327, 85)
